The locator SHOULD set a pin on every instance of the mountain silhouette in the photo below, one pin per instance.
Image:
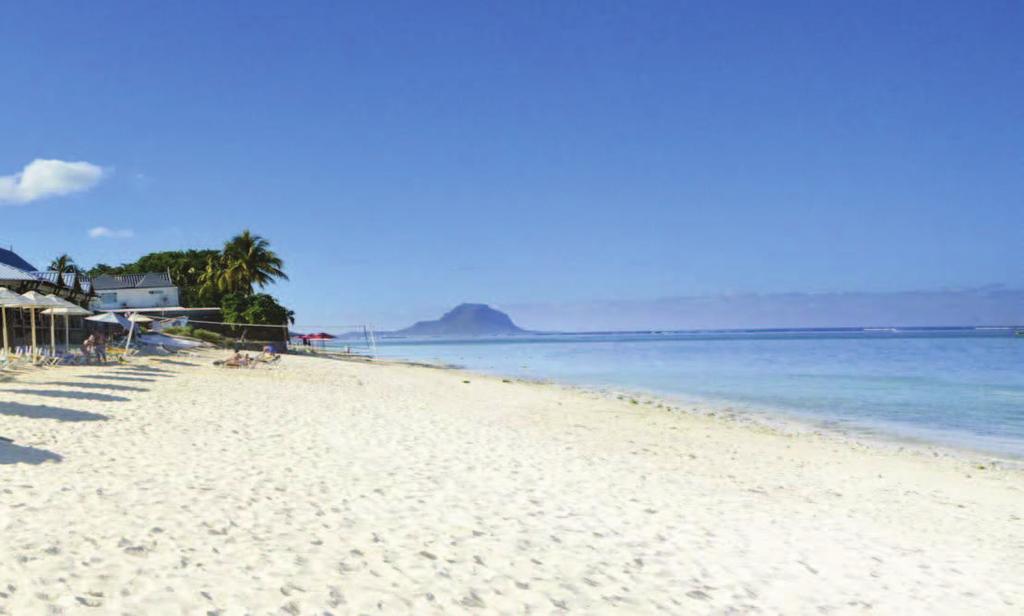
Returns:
(465, 320)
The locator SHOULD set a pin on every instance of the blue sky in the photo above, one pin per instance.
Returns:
(404, 157)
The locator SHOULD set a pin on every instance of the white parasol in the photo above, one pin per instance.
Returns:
(115, 319)
(10, 299)
(68, 310)
(111, 318)
(40, 300)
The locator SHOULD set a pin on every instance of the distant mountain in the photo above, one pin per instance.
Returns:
(465, 320)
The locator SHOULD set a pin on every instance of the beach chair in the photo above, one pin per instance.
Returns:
(233, 363)
(7, 370)
(28, 359)
(50, 358)
(12, 362)
(70, 359)
(266, 359)
(120, 355)
(42, 359)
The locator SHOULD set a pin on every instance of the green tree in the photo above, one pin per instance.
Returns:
(264, 309)
(246, 262)
(208, 277)
(186, 268)
(259, 309)
(102, 269)
(233, 306)
(63, 264)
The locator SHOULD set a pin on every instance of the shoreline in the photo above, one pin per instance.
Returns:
(781, 421)
(170, 485)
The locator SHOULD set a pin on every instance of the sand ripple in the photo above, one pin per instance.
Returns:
(335, 487)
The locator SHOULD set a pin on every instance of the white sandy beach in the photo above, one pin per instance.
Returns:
(172, 487)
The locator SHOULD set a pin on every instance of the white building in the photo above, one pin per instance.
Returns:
(152, 290)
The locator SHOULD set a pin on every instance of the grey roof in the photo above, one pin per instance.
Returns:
(132, 281)
(69, 279)
(8, 272)
(13, 267)
(8, 257)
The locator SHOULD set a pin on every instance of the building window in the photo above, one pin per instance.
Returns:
(108, 298)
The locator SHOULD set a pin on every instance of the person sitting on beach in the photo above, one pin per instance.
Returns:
(268, 356)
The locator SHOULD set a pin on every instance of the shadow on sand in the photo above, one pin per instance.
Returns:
(174, 362)
(73, 395)
(143, 375)
(115, 377)
(109, 386)
(142, 368)
(42, 411)
(19, 454)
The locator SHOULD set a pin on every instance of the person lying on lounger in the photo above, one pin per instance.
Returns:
(238, 361)
(235, 361)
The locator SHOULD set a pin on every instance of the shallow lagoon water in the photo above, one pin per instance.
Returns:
(957, 387)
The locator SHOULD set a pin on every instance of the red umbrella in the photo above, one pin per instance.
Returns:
(320, 336)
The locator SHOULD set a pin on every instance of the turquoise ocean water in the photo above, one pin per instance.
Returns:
(955, 387)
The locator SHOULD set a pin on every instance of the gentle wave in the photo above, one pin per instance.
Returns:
(954, 386)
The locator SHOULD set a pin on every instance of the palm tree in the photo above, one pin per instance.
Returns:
(247, 261)
(210, 278)
(63, 264)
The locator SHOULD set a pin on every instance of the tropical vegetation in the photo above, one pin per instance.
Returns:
(64, 264)
(185, 267)
(226, 278)
(255, 308)
(245, 262)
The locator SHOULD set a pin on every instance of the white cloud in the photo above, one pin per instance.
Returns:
(48, 178)
(96, 232)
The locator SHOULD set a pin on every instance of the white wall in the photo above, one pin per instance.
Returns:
(136, 298)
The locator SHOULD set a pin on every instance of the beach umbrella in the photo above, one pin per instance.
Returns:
(39, 300)
(68, 310)
(10, 299)
(110, 318)
(320, 337)
(135, 318)
(131, 330)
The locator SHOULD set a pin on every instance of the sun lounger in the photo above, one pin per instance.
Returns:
(267, 359)
(232, 362)
(121, 355)
(70, 359)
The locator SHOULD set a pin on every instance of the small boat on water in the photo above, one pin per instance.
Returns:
(1019, 332)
